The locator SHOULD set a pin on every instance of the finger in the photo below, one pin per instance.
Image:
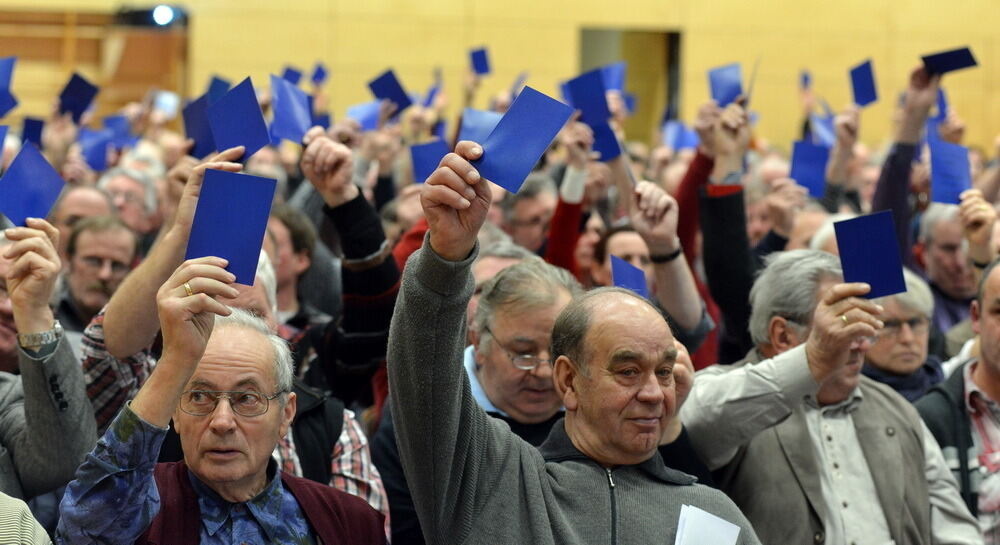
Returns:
(208, 286)
(312, 134)
(37, 244)
(437, 195)
(854, 316)
(204, 267)
(468, 150)
(461, 167)
(47, 228)
(203, 303)
(856, 305)
(231, 154)
(449, 178)
(841, 291)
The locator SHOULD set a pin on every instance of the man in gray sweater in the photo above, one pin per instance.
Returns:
(598, 478)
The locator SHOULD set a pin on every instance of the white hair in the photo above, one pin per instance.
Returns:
(265, 272)
(283, 367)
(148, 185)
(827, 231)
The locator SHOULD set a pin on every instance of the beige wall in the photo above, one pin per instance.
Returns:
(359, 38)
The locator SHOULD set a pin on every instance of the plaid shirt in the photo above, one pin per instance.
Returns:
(984, 466)
(351, 466)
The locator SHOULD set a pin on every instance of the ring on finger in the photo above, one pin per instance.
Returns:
(187, 288)
(844, 318)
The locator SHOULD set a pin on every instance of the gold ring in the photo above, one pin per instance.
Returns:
(844, 318)
(187, 288)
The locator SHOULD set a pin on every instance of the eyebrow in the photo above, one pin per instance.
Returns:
(623, 356)
(202, 384)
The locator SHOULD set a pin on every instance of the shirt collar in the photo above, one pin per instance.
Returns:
(975, 399)
(265, 507)
(477, 389)
(846, 406)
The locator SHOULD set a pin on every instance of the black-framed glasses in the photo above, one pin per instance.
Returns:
(246, 403)
(524, 362)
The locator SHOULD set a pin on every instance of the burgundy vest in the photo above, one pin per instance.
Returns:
(335, 517)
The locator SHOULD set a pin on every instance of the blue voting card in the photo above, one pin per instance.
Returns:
(515, 88)
(3, 133)
(950, 174)
(631, 102)
(230, 221)
(949, 61)
(477, 124)
(31, 131)
(426, 158)
(605, 140)
(30, 186)
(387, 86)
(76, 97)
(564, 92)
(726, 83)
(291, 110)
(366, 114)
(823, 132)
(322, 120)
(677, 136)
(521, 137)
(217, 88)
(869, 252)
(942, 105)
(588, 95)
(614, 76)
(863, 83)
(805, 79)
(7, 99)
(441, 130)
(432, 93)
(628, 276)
(236, 120)
(196, 127)
(121, 131)
(480, 61)
(291, 74)
(94, 147)
(809, 166)
(319, 74)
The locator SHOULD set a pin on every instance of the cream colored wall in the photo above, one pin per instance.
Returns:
(359, 38)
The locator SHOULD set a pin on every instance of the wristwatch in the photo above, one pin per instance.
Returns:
(42, 338)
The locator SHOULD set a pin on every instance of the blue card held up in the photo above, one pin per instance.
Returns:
(319, 74)
(614, 76)
(30, 186)
(605, 140)
(197, 128)
(805, 79)
(217, 88)
(7, 99)
(121, 131)
(236, 120)
(322, 120)
(94, 147)
(477, 125)
(628, 276)
(726, 83)
(823, 132)
(3, 133)
(942, 105)
(588, 94)
(230, 221)
(950, 174)
(863, 83)
(869, 252)
(366, 114)
(31, 131)
(480, 61)
(291, 110)
(76, 97)
(292, 75)
(809, 166)
(426, 158)
(432, 93)
(521, 137)
(387, 86)
(949, 61)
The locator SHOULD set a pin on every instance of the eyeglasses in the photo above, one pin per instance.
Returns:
(97, 263)
(126, 197)
(524, 362)
(203, 402)
(892, 328)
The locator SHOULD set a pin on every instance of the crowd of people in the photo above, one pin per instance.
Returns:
(450, 362)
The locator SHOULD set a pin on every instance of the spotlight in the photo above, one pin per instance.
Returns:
(163, 15)
(160, 16)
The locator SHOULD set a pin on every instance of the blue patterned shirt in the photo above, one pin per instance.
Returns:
(114, 497)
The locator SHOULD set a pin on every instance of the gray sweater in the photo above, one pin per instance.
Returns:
(474, 481)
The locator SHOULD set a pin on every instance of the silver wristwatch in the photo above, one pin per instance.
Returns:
(42, 338)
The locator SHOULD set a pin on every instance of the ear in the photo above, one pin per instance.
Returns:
(287, 414)
(564, 377)
(302, 262)
(781, 336)
(920, 254)
(974, 315)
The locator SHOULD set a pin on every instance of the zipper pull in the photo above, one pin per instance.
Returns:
(610, 480)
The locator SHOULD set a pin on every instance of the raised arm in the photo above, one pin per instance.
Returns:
(846, 125)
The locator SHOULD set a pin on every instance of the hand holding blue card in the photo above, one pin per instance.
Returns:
(726, 83)
(366, 114)
(94, 147)
(197, 128)
(319, 74)
(121, 131)
(950, 174)
(605, 141)
(521, 137)
(387, 86)
(863, 84)
(614, 76)
(628, 276)
(292, 75)
(949, 61)
(30, 186)
(236, 120)
(809, 166)
(480, 61)
(291, 110)
(76, 97)
(869, 252)
(230, 221)
(589, 96)
(426, 158)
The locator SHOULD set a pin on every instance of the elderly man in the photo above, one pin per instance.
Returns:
(46, 427)
(598, 478)
(962, 412)
(74, 204)
(946, 262)
(134, 196)
(527, 213)
(800, 440)
(228, 489)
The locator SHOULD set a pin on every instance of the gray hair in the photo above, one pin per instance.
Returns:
(504, 249)
(531, 283)
(787, 287)
(537, 183)
(935, 213)
(573, 323)
(827, 231)
(69, 189)
(917, 297)
(265, 272)
(147, 183)
(283, 367)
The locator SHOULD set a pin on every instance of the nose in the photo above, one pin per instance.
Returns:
(543, 369)
(223, 418)
(650, 390)
(105, 272)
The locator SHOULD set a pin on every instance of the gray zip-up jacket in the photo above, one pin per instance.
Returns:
(474, 481)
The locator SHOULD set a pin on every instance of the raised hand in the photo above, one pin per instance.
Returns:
(977, 217)
(578, 140)
(783, 204)
(842, 318)
(654, 216)
(32, 275)
(188, 201)
(455, 200)
(920, 96)
(329, 166)
(704, 125)
(188, 303)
